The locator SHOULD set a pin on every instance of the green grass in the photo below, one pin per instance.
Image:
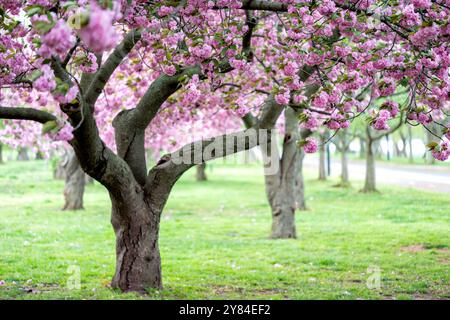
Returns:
(214, 241)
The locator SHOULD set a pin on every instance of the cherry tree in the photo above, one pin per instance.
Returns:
(122, 72)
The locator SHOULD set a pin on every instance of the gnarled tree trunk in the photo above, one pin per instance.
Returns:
(285, 187)
(136, 225)
(201, 172)
(74, 188)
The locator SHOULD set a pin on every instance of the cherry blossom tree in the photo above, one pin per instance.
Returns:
(109, 75)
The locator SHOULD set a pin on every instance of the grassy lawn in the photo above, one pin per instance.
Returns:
(214, 241)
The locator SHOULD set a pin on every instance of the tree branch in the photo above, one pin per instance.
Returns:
(26, 114)
(172, 166)
(107, 69)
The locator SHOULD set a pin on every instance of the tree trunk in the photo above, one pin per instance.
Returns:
(60, 172)
(74, 188)
(344, 147)
(299, 183)
(283, 187)
(397, 152)
(88, 179)
(362, 148)
(201, 172)
(1, 154)
(370, 180)
(344, 167)
(322, 171)
(411, 155)
(22, 154)
(138, 261)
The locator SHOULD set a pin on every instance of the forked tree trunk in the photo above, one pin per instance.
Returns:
(201, 172)
(138, 261)
(322, 171)
(74, 188)
(370, 179)
(22, 154)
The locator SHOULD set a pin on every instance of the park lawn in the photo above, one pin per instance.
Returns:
(214, 241)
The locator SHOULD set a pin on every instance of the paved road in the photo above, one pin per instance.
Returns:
(434, 178)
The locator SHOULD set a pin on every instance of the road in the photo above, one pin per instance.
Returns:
(433, 178)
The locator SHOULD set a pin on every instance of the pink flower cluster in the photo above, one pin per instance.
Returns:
(380, 122)
(310, 145)
(283, 98)
(46, 82)
(442, 151)
(57, 41)
(99, 35)
(88, 64)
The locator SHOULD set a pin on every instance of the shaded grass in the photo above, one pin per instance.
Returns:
(214, 240)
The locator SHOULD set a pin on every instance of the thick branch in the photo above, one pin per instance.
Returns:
(110, 65)
(158, 92)
(26, 114)
(172, 166)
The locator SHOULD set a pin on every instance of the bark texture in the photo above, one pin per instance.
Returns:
(136, 226)
(74, 188)
(285, 188)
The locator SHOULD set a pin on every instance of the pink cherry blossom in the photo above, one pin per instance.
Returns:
(310, 145)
